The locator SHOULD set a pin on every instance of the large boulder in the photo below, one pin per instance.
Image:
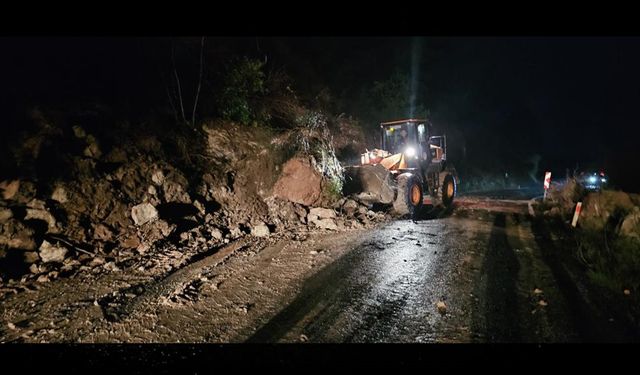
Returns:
(299, 182)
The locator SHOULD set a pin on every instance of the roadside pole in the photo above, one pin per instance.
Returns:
(547, 182)
(576, 214)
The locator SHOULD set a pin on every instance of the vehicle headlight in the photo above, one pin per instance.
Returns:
(603, 179)
(410, 152)
(593, 179)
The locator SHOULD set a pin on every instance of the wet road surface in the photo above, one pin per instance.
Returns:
(475, 276)
(384, 290)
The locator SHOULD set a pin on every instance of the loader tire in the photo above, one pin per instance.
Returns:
(409, 195)
(448, 192)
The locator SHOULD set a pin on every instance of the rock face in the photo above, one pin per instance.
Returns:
(52, 253)
(299, 182)
(144, 213)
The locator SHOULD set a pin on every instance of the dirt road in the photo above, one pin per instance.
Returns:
(487, 272)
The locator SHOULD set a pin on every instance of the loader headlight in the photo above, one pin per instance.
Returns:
(410, 152)
(593, 179)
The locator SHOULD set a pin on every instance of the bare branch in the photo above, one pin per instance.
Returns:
(175, 73)
(195, 103)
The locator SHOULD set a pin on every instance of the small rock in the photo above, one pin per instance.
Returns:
(31, 257)
(97, 261)
(350, 207)
(542, 303)
(157, 177)
(216, 233)
(174, 192)
(11, 326)
(152, 190)
(321, 213)
(304, 338)
(199, 206)
(627, 292)
(60, 195)
(325, 224)
(537, 291)
(235, 233)
(5, 214)
(144, 213)
(69, 265)
(34, 269)
(51, 253)
(102, 233)
(39, 212)
(9, 189)
(93, 149)
(260, 230)
(78, 132)
(442, 307)
(111, 266)
(313, 252)
(43, 279)
(131, 242)
(142, 248)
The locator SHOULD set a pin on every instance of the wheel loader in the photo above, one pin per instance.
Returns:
(410, 164)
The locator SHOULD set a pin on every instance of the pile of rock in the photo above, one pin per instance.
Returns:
(615, 211)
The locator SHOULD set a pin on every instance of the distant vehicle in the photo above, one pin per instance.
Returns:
(593, 181)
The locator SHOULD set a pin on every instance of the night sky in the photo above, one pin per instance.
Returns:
(569, 100)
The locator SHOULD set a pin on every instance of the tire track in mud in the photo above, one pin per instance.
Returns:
(126, 302)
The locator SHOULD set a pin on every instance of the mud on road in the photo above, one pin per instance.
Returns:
(486, 272)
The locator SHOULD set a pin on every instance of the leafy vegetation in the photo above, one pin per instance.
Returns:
(243, 85)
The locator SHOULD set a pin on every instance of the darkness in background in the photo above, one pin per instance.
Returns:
(502, 100)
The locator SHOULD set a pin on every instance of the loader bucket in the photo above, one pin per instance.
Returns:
(371, 183)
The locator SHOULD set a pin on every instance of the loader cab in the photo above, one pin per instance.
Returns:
(413, 138)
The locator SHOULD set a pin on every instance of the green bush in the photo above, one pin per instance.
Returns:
(244, 84)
